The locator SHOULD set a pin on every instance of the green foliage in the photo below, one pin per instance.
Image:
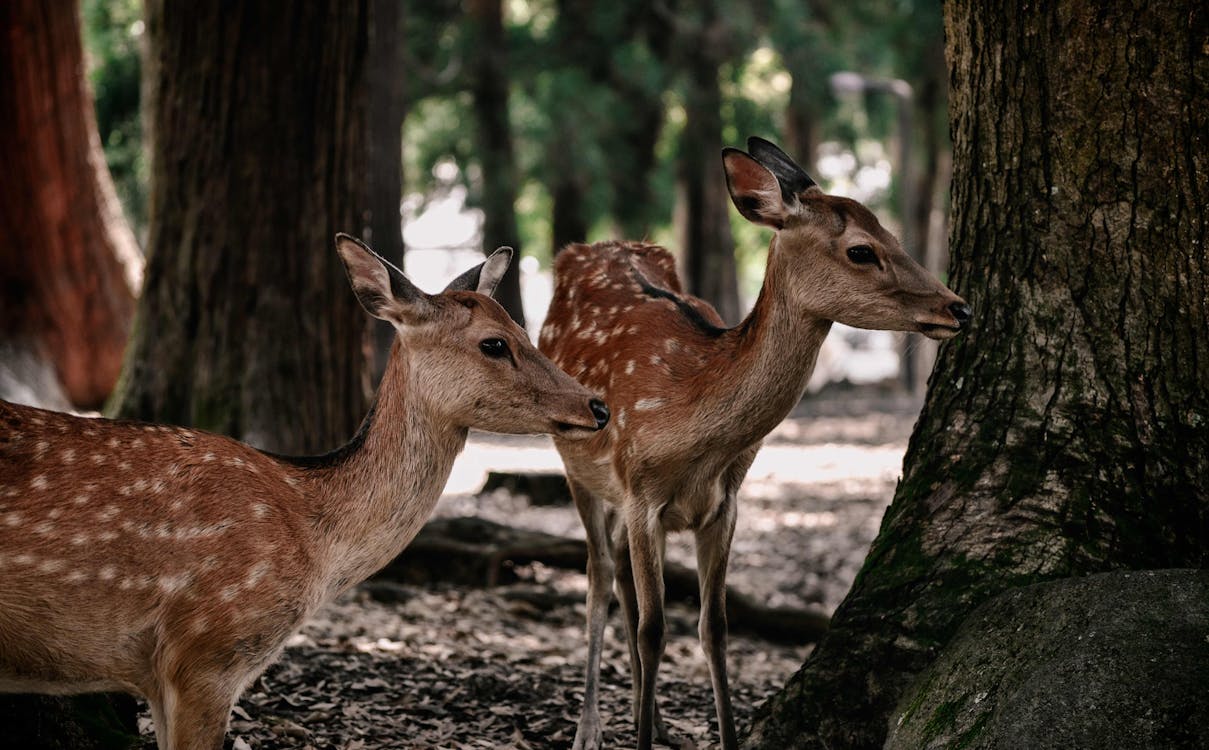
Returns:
(582, 75)
(112, 31)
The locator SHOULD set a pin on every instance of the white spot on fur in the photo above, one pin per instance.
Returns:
(208, 457)
(259, 510)
(107, 536)
(259, 571)
(656, 360)
(50, 566)
(228, 592)
(621, 415)
(12, 519)
(170, 584)
(124, 466)
(98, 458)
(629, 367)
(44, 528)
(112, 442)
(107, 573)
(54, 513)
(24, 559)
(40, 448)
(79, 540)
(646, 404)
(108, 514)
(68, 456)
(39, 482)
(76, 576)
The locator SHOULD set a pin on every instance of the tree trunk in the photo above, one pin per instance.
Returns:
(1066, 432)
(68, 261)
(247, 326)
(387, 110)
(705, 236)
(494, 139)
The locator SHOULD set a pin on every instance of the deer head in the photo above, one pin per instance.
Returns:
(464, 347)
(843, 264)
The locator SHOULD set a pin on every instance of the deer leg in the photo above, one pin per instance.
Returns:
(629, 610)
(197, 715)
(589, 734)
(160, 719)
(713, 551)
(646, 559)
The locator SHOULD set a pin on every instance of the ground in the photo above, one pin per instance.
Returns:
(502, 668)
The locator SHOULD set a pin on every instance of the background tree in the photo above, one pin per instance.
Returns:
(493, 130)
(68, 261)
(258, 157)
(1065, 433)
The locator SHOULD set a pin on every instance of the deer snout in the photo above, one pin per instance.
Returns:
(600, 411)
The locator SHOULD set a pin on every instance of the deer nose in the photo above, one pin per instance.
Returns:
(961, 312)
(600, 411)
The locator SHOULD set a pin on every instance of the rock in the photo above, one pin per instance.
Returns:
(1117, 660)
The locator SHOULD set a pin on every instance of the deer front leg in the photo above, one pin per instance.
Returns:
(589, 734)
(713, 552)
(646, 557)
(629, 610)
(197, 713)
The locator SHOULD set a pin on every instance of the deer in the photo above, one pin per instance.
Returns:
(692, 399)
(173, 564)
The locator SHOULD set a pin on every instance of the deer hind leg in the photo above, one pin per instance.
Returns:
(628, 598)
(589, 734)
(713, 551)
(646, 539)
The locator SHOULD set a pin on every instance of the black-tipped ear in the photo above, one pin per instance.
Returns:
(753, 189)
(381, 288)
(484, 277)
(791, 177)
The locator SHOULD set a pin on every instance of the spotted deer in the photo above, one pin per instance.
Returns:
(692, 399)
(173, 563)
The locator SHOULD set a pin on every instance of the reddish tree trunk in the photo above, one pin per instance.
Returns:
(64, 247)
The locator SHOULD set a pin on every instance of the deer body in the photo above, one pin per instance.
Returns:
(174, 563)
(691, 400)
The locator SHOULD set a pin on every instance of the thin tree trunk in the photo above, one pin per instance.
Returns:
(247, 326)
(494, 138)
(68, 261)
(387, 110)
(708, 246)
(1066, 432)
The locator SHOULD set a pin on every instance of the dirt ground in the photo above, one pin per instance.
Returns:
(474, 668)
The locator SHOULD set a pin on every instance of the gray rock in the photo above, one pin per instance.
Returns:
(1114, 661)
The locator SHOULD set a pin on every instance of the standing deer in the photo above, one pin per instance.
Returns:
(173, 564)
(692, 400)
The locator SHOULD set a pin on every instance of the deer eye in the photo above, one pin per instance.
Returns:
(494, 347)
(862, 254)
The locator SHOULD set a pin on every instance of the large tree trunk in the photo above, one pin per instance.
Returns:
(493, 131)
(704, 232)
(1066, 432)
(247, 326)
(68, 261)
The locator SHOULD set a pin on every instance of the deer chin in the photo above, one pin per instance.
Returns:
(938, 331)
(569, 431)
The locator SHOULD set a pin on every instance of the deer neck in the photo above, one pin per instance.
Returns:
(772, 355)
(374, 499)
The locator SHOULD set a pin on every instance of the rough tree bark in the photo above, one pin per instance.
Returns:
(68, 261)
(1068, 431)
(493, 133)
(246, 325)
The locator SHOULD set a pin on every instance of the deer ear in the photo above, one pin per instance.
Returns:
(484, 277)
(381, 288)
(792, 178)
(754, 189)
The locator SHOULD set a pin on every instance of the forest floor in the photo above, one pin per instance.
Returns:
(455, 667)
